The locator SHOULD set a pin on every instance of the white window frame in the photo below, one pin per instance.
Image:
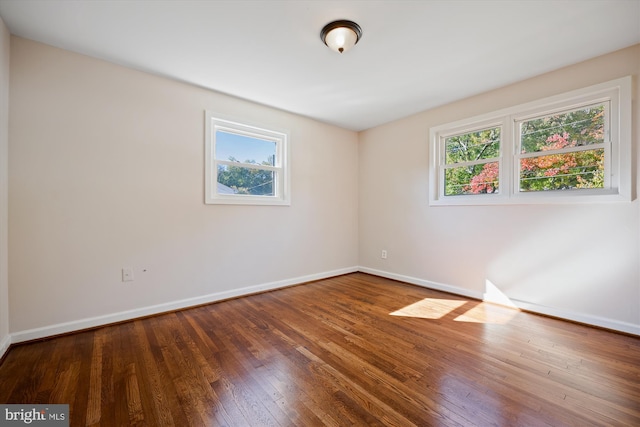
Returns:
(469, 127)
(615, 94)
(216, 122)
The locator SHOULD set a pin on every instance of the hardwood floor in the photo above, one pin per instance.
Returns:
(351, 350)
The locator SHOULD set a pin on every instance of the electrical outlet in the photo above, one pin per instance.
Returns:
(383, 255)
(127, 274)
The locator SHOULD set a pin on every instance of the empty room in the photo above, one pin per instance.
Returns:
(319, 213)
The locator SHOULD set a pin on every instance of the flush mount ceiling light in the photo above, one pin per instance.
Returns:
(341, 35)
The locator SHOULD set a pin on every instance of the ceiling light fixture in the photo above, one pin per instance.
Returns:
(341, 35)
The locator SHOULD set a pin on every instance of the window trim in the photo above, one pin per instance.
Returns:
(616, 92)
(215, 122)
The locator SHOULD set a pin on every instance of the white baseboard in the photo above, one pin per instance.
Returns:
(587, 319)
(615, 325)
(4, 345)
(77, 325)
(424, 283)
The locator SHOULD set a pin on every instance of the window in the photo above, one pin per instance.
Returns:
(574, 147)
(564, 150)
(245, 164)
(472, 162)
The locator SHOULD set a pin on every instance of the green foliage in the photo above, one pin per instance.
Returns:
(469, 147)
(484, 144)
(584, 126)
(247, 180)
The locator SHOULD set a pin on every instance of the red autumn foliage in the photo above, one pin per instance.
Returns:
(555, 163)
(486, 181)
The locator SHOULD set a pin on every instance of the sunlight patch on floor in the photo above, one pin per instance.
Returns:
(500, 311)
(429, 308)
(487, 313)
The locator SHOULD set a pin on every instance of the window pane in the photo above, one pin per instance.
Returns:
(477, 179)
(581, 169)
(484, 144)
(572, 129)
(245, 149)
(241, 180)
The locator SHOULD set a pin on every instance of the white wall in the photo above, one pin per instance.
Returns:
(107, 172)
(579, 262)
(4, 186)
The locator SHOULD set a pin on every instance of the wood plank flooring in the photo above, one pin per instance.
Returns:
(352, 350)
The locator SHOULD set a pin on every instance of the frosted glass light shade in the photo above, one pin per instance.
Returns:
(341, 36)
(341, 39)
